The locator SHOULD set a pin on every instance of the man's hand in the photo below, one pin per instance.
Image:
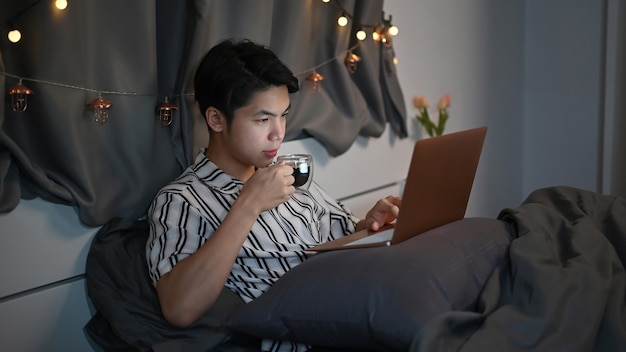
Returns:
(269, 187)
(384, 211)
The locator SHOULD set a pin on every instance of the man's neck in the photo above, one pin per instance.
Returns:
(228, 165)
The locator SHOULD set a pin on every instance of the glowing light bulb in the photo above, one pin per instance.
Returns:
(325, 0)
(393, 30)
(376, 36)
(14, 36)
(361, 35)
(61, 4)
(342, 21)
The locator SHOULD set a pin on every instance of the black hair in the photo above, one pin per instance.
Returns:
(231, 72)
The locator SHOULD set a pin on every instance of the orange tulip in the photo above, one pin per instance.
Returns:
(432, 128)
(444, 102)
(420, 102)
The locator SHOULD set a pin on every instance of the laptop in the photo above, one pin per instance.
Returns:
(436, 192)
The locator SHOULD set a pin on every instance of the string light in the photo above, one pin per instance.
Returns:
(19, 97)
(342, 21)
(165, 111)
(386, 32)
(14, 35)
(382, 32)
(100, 109)
(393, 30)
(361, 35)
(60, 4)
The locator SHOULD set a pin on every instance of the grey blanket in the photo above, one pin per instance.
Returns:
(562, 289)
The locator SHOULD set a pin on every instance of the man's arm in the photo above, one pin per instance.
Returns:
(193, 284)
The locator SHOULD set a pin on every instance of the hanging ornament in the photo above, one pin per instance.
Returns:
(165, 111)
(100, 109)
(19, 97)
(351, 61)
(315, 79)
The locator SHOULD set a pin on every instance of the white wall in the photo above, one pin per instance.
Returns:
(510, 65)
(474, 51)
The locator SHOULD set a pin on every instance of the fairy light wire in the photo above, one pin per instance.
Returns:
(69, 86)
(334, 58)
(112, 92)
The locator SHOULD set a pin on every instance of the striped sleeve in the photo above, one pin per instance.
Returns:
(176, 231)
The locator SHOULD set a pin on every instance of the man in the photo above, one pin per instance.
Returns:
(233, 218)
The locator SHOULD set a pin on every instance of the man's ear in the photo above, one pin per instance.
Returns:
(214, 119)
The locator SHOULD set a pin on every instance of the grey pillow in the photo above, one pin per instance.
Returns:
(128, 314)
(378, 298)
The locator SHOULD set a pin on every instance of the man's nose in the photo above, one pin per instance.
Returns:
(278, 130)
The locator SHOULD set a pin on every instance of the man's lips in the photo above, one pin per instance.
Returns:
(271, 153)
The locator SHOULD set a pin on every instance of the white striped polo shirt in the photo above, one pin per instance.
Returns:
(185, 213)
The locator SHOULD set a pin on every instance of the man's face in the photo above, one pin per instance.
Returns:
(257, 129)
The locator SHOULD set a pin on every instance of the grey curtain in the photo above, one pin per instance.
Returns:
(134, 54)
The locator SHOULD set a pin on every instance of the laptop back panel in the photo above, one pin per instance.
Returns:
(439, 182)
(437, 188)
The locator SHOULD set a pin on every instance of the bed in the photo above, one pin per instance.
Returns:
(547, 275)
